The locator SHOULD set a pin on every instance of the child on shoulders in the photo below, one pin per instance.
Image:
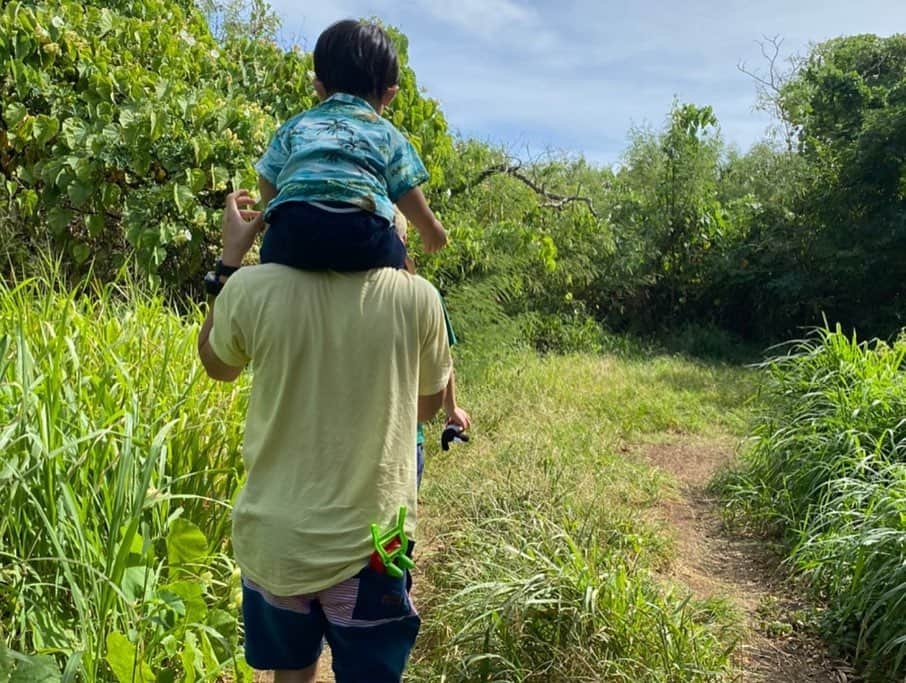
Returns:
(332, 174)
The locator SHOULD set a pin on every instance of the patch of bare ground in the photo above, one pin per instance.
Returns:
(717, 562)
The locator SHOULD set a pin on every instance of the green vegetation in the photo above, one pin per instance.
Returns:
(538, 548)
(120, 136)
(119, 464)
(120, 461)
(827, 471)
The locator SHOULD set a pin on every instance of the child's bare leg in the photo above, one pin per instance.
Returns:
(297, 676)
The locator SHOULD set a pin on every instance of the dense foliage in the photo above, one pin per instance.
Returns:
(120, 136)
(118, 471)
(121, 460)
(122, 126)
(119, 133)
(828, 469)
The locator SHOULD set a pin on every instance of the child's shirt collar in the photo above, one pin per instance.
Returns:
(346, 98)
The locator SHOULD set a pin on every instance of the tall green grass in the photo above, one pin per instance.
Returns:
(827, 469)
(540, 560)
(119, 462)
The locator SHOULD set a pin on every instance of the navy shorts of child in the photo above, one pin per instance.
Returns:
(330, 236)
(369, 623)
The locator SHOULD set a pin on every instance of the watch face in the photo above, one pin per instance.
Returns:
(212, 284)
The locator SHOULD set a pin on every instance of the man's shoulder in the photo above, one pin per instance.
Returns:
(259, 278)
(409, 282)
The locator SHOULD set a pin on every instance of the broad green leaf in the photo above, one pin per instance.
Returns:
(110, 197)
(196, 179)
(80, 252)
(219, 177)
(124, 662)
(192, 661)
(26, 202)
(95, 224)
(243, 672)
(34, 669)
(14, 112)
(185, 543)
(156, 126)
(58, 220)
(45, 129)
(74, 132)
(79, 191)
(182, 196)
(138, 583)
(104, 23)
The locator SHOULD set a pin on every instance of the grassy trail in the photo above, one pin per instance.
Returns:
(544, 547)
(716, 562)
(629, 446)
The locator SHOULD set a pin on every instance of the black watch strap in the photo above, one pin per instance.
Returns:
(225, 271)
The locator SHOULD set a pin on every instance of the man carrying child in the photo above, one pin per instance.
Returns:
(349, 354)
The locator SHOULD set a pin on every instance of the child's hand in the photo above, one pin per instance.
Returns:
(459, 417)
(434, 240)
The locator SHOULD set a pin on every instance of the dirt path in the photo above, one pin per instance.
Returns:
(715, 562)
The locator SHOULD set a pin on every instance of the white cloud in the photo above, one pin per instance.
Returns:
(577, 74)
(486, 18)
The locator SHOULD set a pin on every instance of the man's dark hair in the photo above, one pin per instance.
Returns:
(356, 57)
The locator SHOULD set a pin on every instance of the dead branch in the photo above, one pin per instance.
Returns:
(552, 200)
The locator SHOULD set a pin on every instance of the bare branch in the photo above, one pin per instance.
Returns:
(769, 86)
(553, 200)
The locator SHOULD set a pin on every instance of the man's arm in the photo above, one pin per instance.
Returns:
(455, 414)
(429, 405)
(215, 367)
(240, 227)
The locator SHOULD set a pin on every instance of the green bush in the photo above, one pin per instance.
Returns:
(122, 136)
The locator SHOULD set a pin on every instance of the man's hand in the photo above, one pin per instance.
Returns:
(459, 417)
(434, 239)
(240, 227)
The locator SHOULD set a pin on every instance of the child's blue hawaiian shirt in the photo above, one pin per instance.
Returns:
(342, 151)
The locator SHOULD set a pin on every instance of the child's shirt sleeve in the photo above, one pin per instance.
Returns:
(405, 169)
(274, 160)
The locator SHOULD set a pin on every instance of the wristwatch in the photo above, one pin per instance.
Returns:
(212, 283)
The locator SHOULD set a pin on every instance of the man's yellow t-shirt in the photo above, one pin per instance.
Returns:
(338, 362)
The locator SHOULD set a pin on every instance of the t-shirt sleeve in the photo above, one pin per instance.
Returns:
(405, 169)
(228, 335)
(277, 154)
(435, 362)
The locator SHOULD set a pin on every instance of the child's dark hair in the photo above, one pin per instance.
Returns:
(356, 57)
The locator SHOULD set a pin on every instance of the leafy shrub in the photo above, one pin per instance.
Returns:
(120, 135)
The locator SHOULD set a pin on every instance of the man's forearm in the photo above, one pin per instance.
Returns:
(429, 405)
(450, 395)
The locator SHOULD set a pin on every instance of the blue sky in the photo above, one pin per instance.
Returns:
(575, 76)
